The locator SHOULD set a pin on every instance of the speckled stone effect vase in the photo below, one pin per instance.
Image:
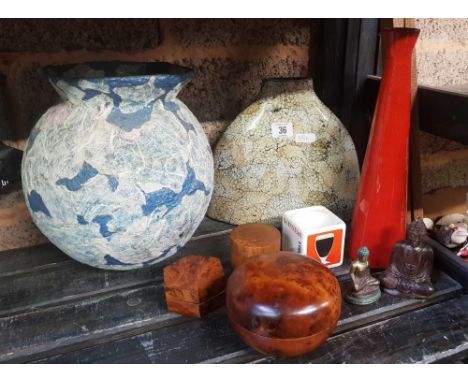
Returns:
(285, 151)
(119, 175)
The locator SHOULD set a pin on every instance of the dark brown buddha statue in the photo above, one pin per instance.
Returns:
(409, 272)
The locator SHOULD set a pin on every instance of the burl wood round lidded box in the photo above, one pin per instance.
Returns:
(283, 303)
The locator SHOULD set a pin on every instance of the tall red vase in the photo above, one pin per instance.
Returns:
(379, 219)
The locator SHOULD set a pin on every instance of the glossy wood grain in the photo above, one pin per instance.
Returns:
(249, 240)
(194, 285)
(283, 303)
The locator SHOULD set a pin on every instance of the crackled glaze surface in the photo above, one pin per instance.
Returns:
(258, 176)
(119, 175)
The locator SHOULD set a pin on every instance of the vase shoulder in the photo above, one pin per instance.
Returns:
(272, 87)
(118, 82)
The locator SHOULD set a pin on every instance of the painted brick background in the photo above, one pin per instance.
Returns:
(3, 106)
(230, 58)
(442, 61)
(52, 35)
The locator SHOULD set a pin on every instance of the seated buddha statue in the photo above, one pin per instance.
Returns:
(409, 272)
(364, 288)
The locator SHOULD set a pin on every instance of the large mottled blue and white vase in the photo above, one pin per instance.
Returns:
(120, 174)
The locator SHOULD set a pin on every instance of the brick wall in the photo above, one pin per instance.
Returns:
(230, 58)
(442, 60)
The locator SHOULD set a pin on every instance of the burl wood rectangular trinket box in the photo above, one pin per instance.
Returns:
(194, 285)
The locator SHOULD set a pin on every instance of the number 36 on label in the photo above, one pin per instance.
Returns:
(282, 129)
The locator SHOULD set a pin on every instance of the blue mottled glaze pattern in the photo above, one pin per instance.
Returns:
(120, 174)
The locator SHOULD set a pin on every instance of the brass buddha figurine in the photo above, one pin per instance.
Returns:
(409, 272)
(364, 288)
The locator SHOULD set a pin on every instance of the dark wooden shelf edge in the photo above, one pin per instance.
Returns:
(32, 354)
(395, 310)
(244, 354)
(44, 352)
(435, 334)
(212, 246)
(356, 322)
(451, 264)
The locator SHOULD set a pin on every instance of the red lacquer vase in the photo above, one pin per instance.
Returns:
(379, 218)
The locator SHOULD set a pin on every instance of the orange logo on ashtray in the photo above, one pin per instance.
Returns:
(326, 247)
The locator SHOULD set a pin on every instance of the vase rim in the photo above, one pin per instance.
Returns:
(277, 85)
(116, 70)
(401, 29)
(280, 79)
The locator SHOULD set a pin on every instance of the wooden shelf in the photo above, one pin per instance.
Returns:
(54, 309)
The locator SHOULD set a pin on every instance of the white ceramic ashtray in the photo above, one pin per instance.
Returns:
(315, 232)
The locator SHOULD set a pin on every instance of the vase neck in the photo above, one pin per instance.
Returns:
(273, 87)
(398, 43)
(117, 82)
